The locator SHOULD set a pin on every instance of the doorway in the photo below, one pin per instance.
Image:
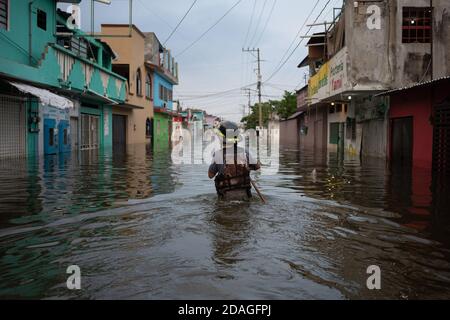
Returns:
(119, 133)
(402, 142)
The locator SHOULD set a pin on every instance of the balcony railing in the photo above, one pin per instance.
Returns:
(79, 73)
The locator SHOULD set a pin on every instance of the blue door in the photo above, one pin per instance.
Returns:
(63, 136)
(50, 143)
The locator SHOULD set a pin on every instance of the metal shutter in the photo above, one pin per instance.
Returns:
(12, 127)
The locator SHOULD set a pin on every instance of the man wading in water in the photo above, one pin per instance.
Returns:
(232, 165)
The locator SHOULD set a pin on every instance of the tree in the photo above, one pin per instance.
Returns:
(287, 106)
(252, 120)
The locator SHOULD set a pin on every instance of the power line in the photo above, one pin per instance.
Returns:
(266, 24)
(298, 45)
(299, 32)
(155, 14)
(223, 92)
(209, 29)
(181, 21)
(250, 24)
(259, 20)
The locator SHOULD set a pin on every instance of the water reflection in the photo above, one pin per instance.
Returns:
(141, 227)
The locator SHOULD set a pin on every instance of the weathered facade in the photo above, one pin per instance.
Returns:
(56, 94)
(132, 120)
(291, 132)
(165, 75)
(376, 46)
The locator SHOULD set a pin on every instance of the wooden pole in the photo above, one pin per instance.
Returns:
(258, 192)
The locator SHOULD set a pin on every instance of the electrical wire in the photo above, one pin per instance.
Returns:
(250, 24)
(180, 22)
(266, 24)
(298, 45)
(259, 21)
(209, 29)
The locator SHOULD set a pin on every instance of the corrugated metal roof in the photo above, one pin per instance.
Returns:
(416, 85)
(296, 115)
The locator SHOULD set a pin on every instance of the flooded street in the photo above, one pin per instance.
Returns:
(141, 227)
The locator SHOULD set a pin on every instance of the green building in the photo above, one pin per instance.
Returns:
(57, 87)
(165, 76)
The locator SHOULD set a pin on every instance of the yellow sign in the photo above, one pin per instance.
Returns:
(318, 84)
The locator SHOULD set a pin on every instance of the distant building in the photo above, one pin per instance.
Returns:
(292, 130)
(132, 119)
(165, 75)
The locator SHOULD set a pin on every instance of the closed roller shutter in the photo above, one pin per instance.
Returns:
(12, 127)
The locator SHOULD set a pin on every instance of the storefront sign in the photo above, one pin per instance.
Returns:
(331, 79)
(338, 73)
(318, 84)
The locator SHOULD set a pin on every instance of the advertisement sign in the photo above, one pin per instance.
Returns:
(338, 73)
(331, 79)
(318, 84)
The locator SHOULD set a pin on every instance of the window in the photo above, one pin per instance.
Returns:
(42, 19)
(4, 10)
(148, 86)
(51, 134)
(65, 140)
(417, 24)
(165, 94)
(138, 83)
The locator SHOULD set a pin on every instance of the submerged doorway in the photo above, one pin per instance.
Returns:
(402, 142)
(119, 133)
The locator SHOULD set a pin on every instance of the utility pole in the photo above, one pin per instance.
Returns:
(259, 83)
(248, 92)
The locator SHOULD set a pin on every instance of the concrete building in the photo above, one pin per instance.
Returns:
(165, 75)
(292, 129)
(57, 84)
(372, 47)
(131, 120)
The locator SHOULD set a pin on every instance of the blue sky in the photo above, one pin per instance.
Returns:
(216, 63)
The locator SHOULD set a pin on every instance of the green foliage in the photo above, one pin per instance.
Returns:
(252, 120)
(284, 108)
(287, 106)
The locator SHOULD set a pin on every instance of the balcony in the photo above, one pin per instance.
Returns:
(72, 72)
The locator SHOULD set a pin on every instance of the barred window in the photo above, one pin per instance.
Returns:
(417, 22)
(4, 10)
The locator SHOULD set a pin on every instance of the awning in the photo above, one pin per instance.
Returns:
(296, 115)
(45, 96)
(95, 95)
(414, 86)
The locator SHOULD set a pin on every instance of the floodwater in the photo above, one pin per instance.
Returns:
(140, 227)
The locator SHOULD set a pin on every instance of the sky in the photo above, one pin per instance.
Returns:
(213, 70)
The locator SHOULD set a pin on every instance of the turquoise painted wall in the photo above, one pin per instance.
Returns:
(44, 67)
(105, 125)
(15, 41)
(32, 128)
(158, 102)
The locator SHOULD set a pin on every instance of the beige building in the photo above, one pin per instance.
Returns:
(133, 121)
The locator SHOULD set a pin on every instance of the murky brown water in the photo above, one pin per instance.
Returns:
(140, 227)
